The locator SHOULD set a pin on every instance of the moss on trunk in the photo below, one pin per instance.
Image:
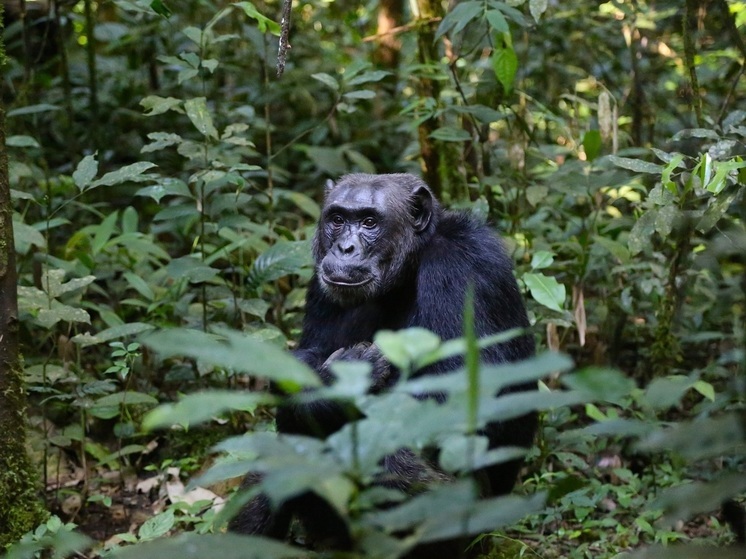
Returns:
(20, 509)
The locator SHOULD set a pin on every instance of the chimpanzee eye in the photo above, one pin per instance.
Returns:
(337, 220)
(369, 222)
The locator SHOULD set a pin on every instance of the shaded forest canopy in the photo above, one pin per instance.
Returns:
(165, 184)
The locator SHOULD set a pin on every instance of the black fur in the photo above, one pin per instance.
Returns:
(408, 265)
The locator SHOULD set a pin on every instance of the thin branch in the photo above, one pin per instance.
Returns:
(689, 58)
(282, 50)
(401, 29)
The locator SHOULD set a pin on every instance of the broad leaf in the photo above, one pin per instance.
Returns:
(546, 290)
(129, 173)
(200, 116)
(505, 65)
(225, 546)
(280, 260)
(85, 172)
(113, 333)
(199, 407)
(235, 351)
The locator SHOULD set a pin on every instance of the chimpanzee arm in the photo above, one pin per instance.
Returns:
(326, 337)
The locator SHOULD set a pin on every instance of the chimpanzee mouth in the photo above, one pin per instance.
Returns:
(344, 282)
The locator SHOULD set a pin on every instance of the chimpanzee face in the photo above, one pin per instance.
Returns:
(367, 232)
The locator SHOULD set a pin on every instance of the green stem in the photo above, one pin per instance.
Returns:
(689, 58)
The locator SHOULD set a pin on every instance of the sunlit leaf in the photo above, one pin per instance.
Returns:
(546, 290)
(196, 110)
(85, 172)
(505, 65)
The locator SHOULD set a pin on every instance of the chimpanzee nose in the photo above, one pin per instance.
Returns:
(347, 248)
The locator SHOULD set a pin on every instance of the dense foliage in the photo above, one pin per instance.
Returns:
(166, 183)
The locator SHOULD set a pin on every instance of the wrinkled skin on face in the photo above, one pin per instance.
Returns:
(369, 228)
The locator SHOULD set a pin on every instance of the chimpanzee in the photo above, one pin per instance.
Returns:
(389, 257)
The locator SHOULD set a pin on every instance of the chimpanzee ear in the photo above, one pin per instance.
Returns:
(421, 208)
(329, 186)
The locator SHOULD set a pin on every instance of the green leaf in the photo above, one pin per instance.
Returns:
(113, 333)
(705, 133)
(505, 65)
(160, 141)
(254, 307)
(60, 312)
(187, 74)
(664, 393)
(128, 173)
(541, 259)
(160, 8)
(263, 22)
(360, 94)
(25, 236)
(139, 285)
(327, 159)
(103, 232)
(304, 202)
(666, 219)
(327, 80)
(600, 384)
(706, 389)
(157, 526)
(433, 513)
(617, 249)
(85, 172)
(125, 398)
(166, 187)
(642, 232)
(203, 406)
(546, 290)
(637, 165)
(497, 21)
(65, 543)
(537, 8)
(406, 346)
(190, 268)
(52, 283)
(536, 193)
(21, 142)
(592, 411)
(715, 211)
(32, 109)
(280, 260)
(459, 17)
(235, 351)
(675, 162)
(193, 34)
(368, 77)
(155, 105)
(690, 499)
(592, 144)
(197, 112)
(450, 134)
(701, 438)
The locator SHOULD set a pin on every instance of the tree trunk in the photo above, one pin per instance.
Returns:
(20, 511)
(442, 166)
(427, 51)
(389, 17)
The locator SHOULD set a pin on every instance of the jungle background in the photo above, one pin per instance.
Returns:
(164, 181)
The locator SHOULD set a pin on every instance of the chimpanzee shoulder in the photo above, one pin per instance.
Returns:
(462, 252)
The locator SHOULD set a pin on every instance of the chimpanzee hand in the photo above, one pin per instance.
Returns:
(382, 374)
